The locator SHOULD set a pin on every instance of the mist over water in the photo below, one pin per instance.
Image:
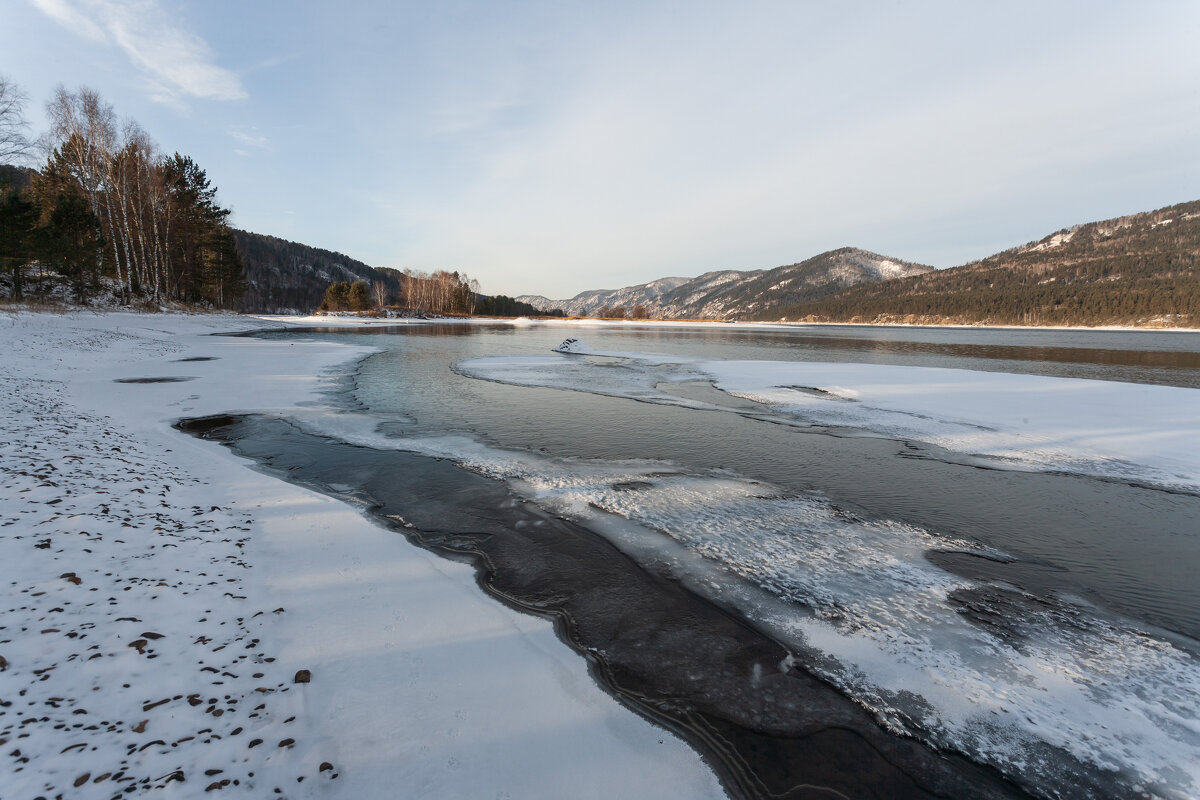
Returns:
(1042, 624)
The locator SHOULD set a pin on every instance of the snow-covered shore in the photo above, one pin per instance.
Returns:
(161, 600)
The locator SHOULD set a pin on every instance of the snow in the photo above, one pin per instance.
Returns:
(1105, 427)
(1056, 240)
(888, 269)
(1121, 430)
(160, 596)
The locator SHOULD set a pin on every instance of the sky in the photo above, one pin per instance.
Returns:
(553, 147)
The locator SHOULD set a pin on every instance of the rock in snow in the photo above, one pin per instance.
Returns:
(572, 345)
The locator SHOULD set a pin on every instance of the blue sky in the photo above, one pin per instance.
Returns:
(552, 147)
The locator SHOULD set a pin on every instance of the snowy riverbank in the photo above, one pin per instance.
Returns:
(161, 599)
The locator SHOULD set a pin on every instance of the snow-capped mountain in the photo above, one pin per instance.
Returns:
(595, 300)
(731, 294)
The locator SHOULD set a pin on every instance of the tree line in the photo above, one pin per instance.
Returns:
(107, 203)
(440, 293)
(500, 305)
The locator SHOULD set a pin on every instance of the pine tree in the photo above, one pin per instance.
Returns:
(72, 236)
(18, 218)
(359, 296)
(337, 297)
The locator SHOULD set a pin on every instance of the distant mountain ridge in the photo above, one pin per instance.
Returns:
(733, 294)
(1139, 269)
(589, 302)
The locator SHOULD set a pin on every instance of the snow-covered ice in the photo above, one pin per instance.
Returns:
(1121, 430)
(160, 598)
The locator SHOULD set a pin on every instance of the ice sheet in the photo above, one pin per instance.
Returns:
(1120, 430)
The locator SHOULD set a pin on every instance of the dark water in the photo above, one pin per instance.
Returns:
(1130, 550)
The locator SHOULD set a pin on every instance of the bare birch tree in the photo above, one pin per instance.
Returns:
(15, 144)
(164, 231)
(379, 293)
(83, 129)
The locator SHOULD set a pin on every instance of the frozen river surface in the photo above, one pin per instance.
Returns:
(872, 561)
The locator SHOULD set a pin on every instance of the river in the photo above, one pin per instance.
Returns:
(820, 610)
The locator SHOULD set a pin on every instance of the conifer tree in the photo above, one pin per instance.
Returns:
(18, 220)
(337, 297)
(359, 296)
(72, 236)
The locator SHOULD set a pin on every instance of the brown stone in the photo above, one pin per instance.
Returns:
(303, 676)
(82, 779)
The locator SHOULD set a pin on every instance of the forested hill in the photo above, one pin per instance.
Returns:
(16, 177)
(286, 277)
(1142, 269)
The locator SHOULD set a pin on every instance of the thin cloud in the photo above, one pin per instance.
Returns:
(250, 137)
(178, 63)
(72, 18)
